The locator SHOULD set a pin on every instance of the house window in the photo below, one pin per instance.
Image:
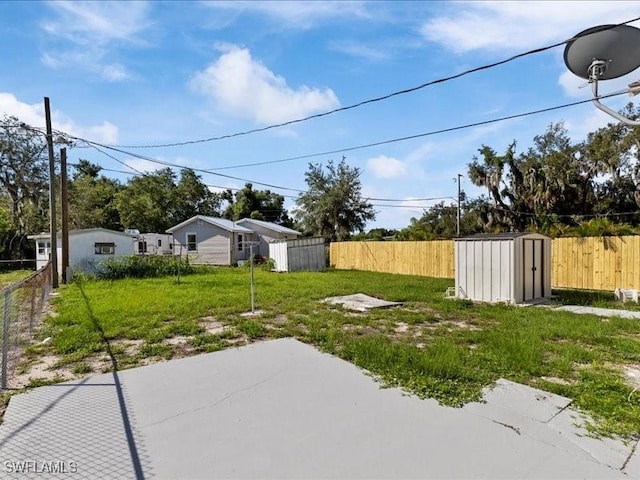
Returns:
(43, 247)
(105, 248)
(239, 242)
(142, 247)
(159, 242)
(192, 244)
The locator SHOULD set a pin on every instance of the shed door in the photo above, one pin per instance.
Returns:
(533, 271)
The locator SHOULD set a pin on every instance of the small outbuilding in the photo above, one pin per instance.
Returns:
(503, 267)
(299, 255)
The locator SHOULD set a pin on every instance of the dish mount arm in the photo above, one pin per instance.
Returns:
(596, 70)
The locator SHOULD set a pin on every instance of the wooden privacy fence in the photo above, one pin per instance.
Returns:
(597, 263)
(427, 259)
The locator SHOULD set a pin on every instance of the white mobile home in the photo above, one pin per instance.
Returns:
(154, 244)
(87, 248)
(503, 267)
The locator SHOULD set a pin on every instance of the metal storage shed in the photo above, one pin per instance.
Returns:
(503, 267)
(303, 254)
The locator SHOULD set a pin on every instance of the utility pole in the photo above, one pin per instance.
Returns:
(52, 197)
(458, 216)
(64, 198)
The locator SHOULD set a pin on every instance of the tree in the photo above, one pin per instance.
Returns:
(92, 198)
(333, 206)
(23, 173)
(154, 202)
(257, 204)
(440, 221)
(526, 190)
(377, 234)
(192, 197)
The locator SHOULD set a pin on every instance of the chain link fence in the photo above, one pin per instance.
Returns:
(22, 308)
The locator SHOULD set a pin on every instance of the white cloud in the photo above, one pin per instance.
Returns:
(34, 115)
(572, 85)
(242, 86)
(386, 167)
(360, 50)
(298, 15)
(138, 165)
(510, 26)
(91, 23)
(91, 60)
(89, 31)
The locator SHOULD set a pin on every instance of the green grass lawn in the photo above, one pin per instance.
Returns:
(13, 276)
(433, 347)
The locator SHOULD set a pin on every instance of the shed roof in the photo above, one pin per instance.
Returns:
(223, 223)
(500, 236)
(271, 226)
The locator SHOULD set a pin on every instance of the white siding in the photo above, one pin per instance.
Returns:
(278, 252)
(152, 239)
(215, 245)
(503, 269)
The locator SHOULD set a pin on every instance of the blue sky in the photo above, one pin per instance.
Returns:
(149, 73)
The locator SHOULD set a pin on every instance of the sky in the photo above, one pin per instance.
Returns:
(148, 74)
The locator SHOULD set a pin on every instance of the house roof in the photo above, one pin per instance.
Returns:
(270, 225)
(499, 236)
(223, 223)
(41, 236)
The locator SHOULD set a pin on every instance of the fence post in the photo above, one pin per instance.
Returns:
(5, 339)
(34, 289)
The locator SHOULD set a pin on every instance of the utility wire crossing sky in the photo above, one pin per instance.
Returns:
(289, 78)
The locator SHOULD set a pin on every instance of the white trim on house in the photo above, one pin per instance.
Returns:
(188, 243)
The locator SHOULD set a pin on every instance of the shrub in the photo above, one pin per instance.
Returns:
(134, 266)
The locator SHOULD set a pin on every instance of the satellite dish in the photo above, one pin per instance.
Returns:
(618, 46)
(603, 53)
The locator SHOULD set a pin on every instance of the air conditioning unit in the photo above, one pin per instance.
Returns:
(626, 295)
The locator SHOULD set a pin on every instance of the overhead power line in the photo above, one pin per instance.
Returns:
(371, 100)
(427, 199)
(213, 171)
(420, 135)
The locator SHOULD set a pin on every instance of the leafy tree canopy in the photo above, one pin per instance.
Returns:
(257, 204)
(333, 206)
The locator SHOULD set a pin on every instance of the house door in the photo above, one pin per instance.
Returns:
(532, 271)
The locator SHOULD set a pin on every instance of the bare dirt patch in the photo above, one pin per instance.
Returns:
(632, 374)
(558, 381)
(211, 325)
(131, 347)
(43, 369)
(401, 328)
(279, 319)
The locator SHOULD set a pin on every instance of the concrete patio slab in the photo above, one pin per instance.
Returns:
(276, 409)
(360, 302)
